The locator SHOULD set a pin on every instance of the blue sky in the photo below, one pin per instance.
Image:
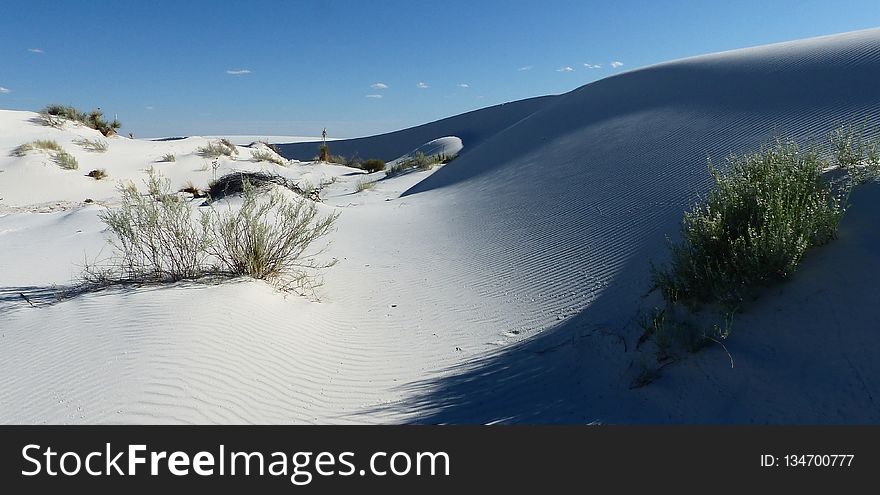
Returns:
(292, 68)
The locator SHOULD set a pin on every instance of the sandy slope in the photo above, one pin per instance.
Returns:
(503, 286)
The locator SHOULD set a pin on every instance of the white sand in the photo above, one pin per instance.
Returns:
(502, 287)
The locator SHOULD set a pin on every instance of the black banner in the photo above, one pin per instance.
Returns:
(425, 459)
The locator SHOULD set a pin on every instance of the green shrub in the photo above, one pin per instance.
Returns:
(373, 165)
(94, 145)
(764, 213)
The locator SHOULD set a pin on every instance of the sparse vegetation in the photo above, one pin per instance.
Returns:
(98, 174)
(55, 116)
(168, 157)
(373, 165)
(216, 149)
(364, 185)
(267, 238)
(94, 145)
(65, 160)
(266, 155)
(46, 145)
(418, 161)
(158, 238)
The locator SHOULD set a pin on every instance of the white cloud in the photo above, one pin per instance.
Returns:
(422, 85)
(374, 96)
(238, 72)
(36, 50)
(565, 69)
(463, 85)
(150, 107)
(526, 67)
(379, 85)
(616, 64)
(3, 90)
(593, 66)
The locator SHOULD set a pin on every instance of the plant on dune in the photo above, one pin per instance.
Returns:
(216, 149)
(168, 157)
(269, 238)
(65, 160)
(266, 155)
(754, 227)
(55, 115)
(94, 145)
(46, 145)
(418, 161)
(364, 185)
(373, 165)
(157, 238)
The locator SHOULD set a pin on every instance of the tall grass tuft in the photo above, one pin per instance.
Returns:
(93, 145)
(216, 149)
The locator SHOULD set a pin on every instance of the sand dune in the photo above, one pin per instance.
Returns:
(504, 286)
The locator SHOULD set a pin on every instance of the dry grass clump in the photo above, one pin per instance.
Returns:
(93, 145)
(216, 149)
(98, 174)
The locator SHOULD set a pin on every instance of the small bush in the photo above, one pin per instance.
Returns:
(168, 157)
(94, 145)
(218, 148)
(373, 165)
(157, 237)
(269, 238)
(96, 121)
(754, 228)
(65, 112)
(763, 215)
(419, 161)
(97, 174)
(324, 153)
(54, 115)
(266, 155)
(65, 160)
(364, 185)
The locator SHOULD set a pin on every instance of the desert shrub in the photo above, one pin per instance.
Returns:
(65, 112)
(418, 161)
(235, 183)
(168, 157)
(764, 213)
(364, 185)
(266, 155)
(94, 145)
(96, 121)
(269, 238)
(97, 174)
(216, 149)
(65, 160)
(373, 165)
(54, 115)
(324, 153)
(157, 237)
